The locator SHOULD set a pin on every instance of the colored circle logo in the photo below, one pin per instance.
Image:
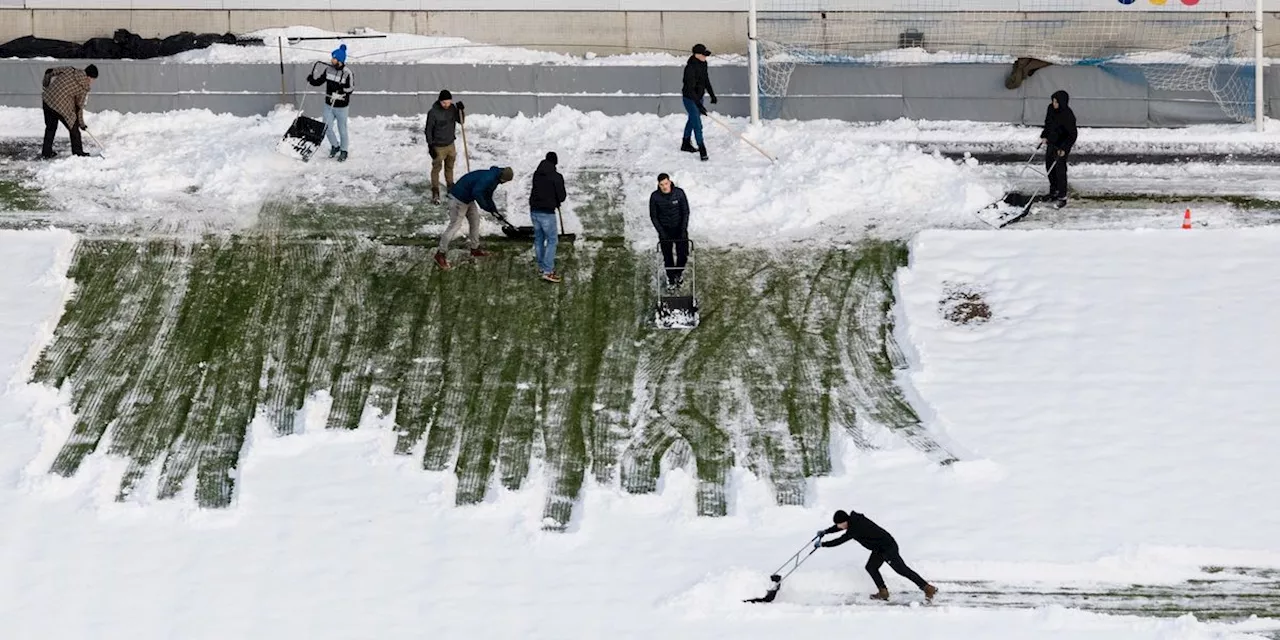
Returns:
(1158, 3)
(1126, 1)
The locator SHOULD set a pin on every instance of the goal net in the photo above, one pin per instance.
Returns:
(1173, 45)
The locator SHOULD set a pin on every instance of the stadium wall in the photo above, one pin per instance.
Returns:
(576, 32)
(861, 94)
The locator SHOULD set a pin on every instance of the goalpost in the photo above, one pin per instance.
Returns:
(1177, 45)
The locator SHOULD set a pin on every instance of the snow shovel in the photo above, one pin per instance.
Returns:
(102, 151)
(571, 237)
(510, 230)
(794, 562)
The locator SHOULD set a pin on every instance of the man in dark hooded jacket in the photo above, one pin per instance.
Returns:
(545, 197)
(882, 546)
(441, 131)
(669, 213)
(1059, 135)
(696, 82)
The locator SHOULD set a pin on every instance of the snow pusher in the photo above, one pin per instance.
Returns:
(677, 306)
(305, 134)
(1014, 205)
(794, 563)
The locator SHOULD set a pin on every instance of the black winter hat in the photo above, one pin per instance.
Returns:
(551, 155)
(840, 516)
(445, 95)
(91, 71)
(702, 49)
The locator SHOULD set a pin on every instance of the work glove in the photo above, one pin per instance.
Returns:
(431, 149)
(702, 109)
(461, 107)
(84, 127)
(713, 99)
(1061, 153)
(821, 532)
(817, 543)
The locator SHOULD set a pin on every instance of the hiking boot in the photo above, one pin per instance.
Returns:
(551, 277)
(882, 594)
(442, 261)
(687, 145)
(49, 155)
(435, 195)
(342, 156)
(333, 151)
(702, 152)
(480, 253)
(929, 590)
(1062, 202)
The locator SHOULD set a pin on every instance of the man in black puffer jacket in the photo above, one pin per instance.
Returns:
(696, 82)
(669, 212)
(1060, 135)
(546, 196)
(882, 546)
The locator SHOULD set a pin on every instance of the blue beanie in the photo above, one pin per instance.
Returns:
(340, 54)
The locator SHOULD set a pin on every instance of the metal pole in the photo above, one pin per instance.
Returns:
(280, 41)
(1259, 101)
(753, 63)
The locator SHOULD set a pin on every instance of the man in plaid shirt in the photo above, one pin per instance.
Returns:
(64, 94)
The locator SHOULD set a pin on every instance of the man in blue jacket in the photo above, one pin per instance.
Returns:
(470, 194)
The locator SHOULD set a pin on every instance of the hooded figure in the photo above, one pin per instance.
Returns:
(1059, 136)
(545, 197)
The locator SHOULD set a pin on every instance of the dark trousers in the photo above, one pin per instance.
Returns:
(1057, 172)
(674, 263)
(894, 559)
(51, 120)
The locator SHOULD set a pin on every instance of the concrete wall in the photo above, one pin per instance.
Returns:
(950, 92)
(603, 32)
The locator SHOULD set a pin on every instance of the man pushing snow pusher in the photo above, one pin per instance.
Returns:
(882, 546)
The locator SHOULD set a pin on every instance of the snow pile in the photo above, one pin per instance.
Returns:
(405, 48)
(825, 187)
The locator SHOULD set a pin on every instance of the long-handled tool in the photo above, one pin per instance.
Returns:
(101, 149)
(570, 237)
(466, 154)
(742, 137)
(794, 562)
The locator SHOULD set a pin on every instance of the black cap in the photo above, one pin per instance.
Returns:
(445, 95)
(552, 157)
(701, 48)
(91, 71)
(839, 517)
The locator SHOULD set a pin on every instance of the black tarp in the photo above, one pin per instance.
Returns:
(124, 44)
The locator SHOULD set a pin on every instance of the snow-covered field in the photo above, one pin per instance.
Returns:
(1115, 417)
(833, 182)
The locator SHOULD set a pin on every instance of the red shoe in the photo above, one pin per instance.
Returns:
(442, 261)
(480, 253)
(551, 277)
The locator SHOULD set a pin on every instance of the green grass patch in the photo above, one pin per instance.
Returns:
(170, 349)
(16, 196)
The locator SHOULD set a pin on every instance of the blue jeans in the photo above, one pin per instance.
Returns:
(545, 237)
(340, 115)
(694, 125)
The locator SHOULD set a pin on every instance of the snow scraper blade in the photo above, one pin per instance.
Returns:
(794, 563)
(772, 593)
(302, 139)
(677, 306)
(512, 231)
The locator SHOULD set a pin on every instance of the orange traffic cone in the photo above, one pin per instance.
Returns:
(1186, 220)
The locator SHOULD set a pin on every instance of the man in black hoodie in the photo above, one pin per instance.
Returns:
(441, 131)
(696, 82)
(669, 213)
(882, 546)
(546, 196)
(1060, 135)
